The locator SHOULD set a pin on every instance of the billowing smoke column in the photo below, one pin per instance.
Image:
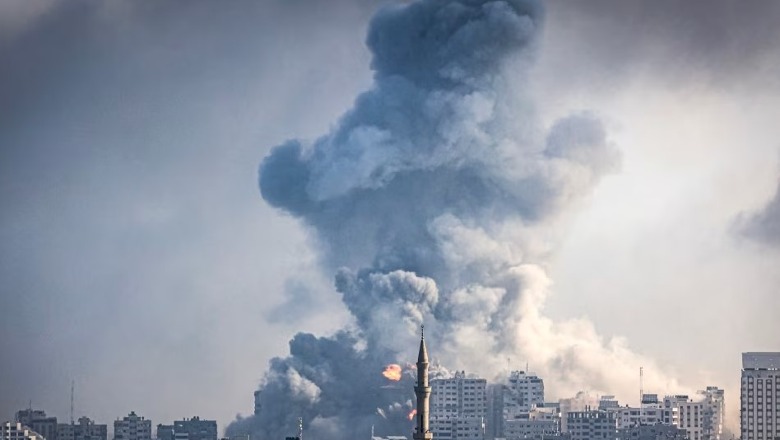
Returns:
(431, 200)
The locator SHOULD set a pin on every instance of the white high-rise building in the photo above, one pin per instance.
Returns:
(133, 427)
(714, 412)
(702, 416)
(524, 392)
(458, 408)
(690, 416)
(760, 396)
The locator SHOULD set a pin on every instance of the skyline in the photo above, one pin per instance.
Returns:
(137, 251)
(524, 382)
(394, 376)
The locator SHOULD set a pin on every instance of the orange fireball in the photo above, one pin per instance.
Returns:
(392, 372)
(412, 413)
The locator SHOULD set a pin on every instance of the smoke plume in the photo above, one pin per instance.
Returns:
(762, 226)
(433, 201)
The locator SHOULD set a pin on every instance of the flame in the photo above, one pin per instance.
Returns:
(411, 414)
(392, 372)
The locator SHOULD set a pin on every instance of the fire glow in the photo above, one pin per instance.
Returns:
(411, 414)
(392, 372)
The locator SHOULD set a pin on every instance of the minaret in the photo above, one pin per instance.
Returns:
(423, 392)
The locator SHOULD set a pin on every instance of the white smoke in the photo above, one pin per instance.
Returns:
(434, 199)
(302, 388)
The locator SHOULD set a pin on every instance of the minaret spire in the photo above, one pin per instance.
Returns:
(423, 355)
(423, 392)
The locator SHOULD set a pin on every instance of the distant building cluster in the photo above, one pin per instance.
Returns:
(469, 408)
(34, 424)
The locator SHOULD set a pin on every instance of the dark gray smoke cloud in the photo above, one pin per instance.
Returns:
(425, 198)
(763, 226)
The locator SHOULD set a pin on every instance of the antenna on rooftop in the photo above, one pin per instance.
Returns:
(641, 383)
(300, 428)
(641, 391)
(72, 385)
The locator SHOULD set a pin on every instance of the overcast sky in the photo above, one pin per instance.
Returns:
(138, 259)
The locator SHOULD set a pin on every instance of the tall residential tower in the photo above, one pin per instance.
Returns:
(458, 407)
(760, 396)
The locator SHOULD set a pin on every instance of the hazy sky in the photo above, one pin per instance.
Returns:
(139, 260)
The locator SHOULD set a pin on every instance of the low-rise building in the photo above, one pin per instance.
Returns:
(133, 427)
(17, 431)
(85, 429)
(583, 401)
(591, 425)
(37, 420)
(188, 429)
(652, 432)
(165, 432)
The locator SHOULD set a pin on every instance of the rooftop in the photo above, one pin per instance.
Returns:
(761, 361)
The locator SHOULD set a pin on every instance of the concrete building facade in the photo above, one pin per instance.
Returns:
(459, 407)
(690, 417)
(591, 425)
(85, 429)
(188, 429)
(524, 392)
(494, 422)
(583, 401)
(165, 432)
(17, 431)
(714, 412)
(652, 432)
(133, 427)
(538, 424)
(760, 396)
(37, 421)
